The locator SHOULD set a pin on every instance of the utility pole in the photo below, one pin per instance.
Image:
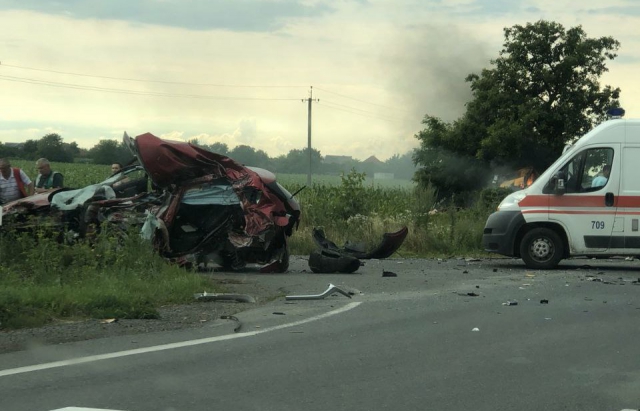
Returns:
(309, 100)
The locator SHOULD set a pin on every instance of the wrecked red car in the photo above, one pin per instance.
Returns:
(201, 208)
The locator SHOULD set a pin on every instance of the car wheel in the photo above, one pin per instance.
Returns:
(284, 260)
(541, 248)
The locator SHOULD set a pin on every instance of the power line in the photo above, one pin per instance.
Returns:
(331, 106)
(127, 91)
(149, 81)
(351, 108)
(359, 100)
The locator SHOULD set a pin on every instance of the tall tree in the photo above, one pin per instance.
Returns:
(250, 156)
(52, 148)
(297, 161)
(219, 148)
(542, 92)
(109, 152)
(30, 150)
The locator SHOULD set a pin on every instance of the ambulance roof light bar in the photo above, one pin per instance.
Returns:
(616, 112)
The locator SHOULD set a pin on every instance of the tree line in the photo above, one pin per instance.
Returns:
(296, 161)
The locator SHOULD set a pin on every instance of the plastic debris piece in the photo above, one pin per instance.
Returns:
(473, 294)
(389, 274)
(510, 303)
(278, 313)
(332, 288)
(529, 275)
(495, 270)
(476, 329)
(544, 301)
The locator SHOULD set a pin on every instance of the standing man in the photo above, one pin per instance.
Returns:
(47, 179)
(14, 183)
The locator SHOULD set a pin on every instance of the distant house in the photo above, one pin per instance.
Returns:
(373, 160)
(328, 159)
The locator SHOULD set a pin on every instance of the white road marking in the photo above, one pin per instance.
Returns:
(82, 409)
(163, 347)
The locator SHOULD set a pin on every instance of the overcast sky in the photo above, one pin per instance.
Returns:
(236, 71)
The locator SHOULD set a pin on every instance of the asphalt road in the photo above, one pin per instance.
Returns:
(417, 341)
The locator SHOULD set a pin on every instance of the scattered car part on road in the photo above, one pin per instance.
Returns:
(332, 288)
(327, 262)
(233, 318)
(390, 243)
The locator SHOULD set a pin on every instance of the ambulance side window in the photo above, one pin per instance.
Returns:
(586, 171)
(597, 167)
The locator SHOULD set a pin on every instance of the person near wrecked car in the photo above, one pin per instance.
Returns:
(14, 183)
(116, 168)
(47, 179)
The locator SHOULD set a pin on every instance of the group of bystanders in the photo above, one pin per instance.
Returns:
(16, 184)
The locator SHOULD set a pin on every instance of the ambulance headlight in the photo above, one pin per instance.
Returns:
(512, 200)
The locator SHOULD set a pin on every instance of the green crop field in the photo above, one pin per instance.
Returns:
(76, 175)
(289, 180)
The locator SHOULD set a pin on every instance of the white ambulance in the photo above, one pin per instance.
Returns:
(586, 203)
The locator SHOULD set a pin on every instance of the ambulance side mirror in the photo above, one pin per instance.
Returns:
(559, 187)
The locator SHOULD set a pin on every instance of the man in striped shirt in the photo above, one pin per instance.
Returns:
(14, 183)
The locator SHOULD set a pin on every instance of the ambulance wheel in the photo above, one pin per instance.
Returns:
(541, 248)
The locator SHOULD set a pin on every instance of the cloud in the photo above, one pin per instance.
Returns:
(236, 15)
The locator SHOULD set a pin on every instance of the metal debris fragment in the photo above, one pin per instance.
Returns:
(332, 288)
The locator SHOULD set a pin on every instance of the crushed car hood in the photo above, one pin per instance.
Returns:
(174, 162)
(177, 163)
